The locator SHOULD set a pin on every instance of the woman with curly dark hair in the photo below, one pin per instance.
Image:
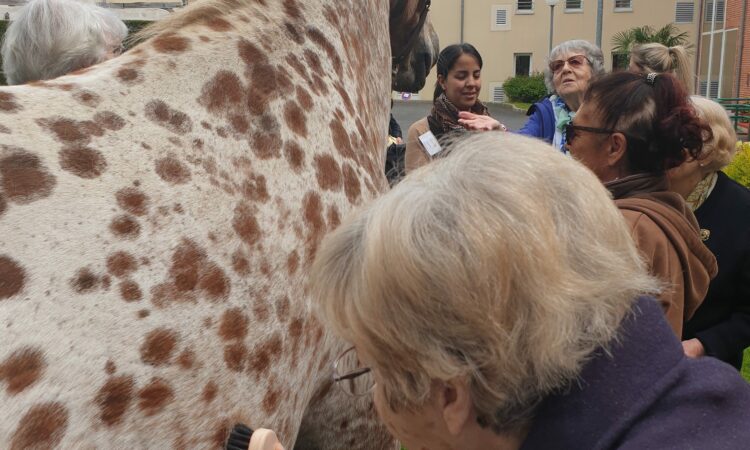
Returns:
(630, 129)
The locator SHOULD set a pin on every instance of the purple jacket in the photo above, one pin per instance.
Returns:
(647, 395)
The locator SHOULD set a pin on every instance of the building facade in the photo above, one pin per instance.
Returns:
(723, 57)
(513, 36)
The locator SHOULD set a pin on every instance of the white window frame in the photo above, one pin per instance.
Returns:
(515, 60)
(494, 26)
(573, 10)
(525, 11)
(621, 9)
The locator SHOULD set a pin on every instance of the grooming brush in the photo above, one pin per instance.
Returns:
(243, 438)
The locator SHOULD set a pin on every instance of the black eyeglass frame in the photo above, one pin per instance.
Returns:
(570, 131)
(350, 375)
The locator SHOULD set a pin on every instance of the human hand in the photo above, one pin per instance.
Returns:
(693, 348)
(477, 122)
(264, 439)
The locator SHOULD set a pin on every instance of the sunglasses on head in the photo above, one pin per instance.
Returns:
(574, 62)
(571, 131)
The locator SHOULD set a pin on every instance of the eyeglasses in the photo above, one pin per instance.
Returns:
(351, 376)
(571, 131)
(574, 62)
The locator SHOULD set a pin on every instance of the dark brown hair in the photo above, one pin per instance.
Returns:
(657, 118)
(447, 59)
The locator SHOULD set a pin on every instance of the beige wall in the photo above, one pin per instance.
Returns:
(529, 33)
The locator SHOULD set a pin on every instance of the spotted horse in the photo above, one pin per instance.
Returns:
(159, 213)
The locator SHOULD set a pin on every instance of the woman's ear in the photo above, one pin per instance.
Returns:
(455, 401)
(617, 149)
(441, 81)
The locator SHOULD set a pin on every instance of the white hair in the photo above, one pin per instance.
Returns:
(50, 38)
(589, 50)
(505, 263)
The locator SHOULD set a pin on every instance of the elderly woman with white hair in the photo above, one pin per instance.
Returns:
(50, 38)
(495, 299)
(571, 66)
(721, 325)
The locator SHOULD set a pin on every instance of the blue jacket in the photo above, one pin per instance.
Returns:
(646, 395)
(541, 123)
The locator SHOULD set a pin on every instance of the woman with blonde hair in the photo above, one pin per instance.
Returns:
(721, 325)
(659, 58)
(495, 299)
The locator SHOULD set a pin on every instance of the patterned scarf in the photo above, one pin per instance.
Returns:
(443, 118)
(701, 191)
(563, 116)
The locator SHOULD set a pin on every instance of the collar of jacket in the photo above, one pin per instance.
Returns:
(615, 386)
(641, 183)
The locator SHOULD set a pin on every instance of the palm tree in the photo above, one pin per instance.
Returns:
(668, 35)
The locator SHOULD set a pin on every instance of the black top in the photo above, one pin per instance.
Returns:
(722, 322)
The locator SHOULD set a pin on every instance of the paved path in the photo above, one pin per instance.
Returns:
(408, 112)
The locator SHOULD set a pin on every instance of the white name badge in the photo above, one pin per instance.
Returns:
(430, 143)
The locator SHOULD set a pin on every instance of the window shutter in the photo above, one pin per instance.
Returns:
(623, 4)
(684, 12)
(525, 5)
(498, 93)
(500, 18)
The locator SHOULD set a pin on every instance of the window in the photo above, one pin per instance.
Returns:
(574, 4)
(623, 5)
(500, 19)
(524, 6)
(714, 88)
(620, 61)
(683, 12)
(719, 10)
(498, 93)
(523, 64)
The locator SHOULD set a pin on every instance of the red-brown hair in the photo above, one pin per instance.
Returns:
(657, 118)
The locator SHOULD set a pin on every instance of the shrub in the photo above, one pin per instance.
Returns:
(525, 89)
(739, 168)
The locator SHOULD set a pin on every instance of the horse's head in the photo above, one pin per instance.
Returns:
(414, 44)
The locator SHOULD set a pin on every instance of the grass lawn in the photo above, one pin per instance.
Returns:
(521, 105)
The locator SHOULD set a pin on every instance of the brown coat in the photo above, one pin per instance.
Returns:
(667, 235)
(416, 156)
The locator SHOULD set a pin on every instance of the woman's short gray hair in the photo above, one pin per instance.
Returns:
(505, 264)
(591, 51)
(50, 38)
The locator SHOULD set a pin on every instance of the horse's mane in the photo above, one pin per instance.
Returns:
(200, 10)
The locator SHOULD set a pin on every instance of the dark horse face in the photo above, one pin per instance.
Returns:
(414, 44)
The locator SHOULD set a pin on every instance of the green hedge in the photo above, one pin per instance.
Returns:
(525, 89)
(739, 168)
(133, 26)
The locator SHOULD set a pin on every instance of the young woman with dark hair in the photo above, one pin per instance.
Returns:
(459, 81)
(629, 131)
